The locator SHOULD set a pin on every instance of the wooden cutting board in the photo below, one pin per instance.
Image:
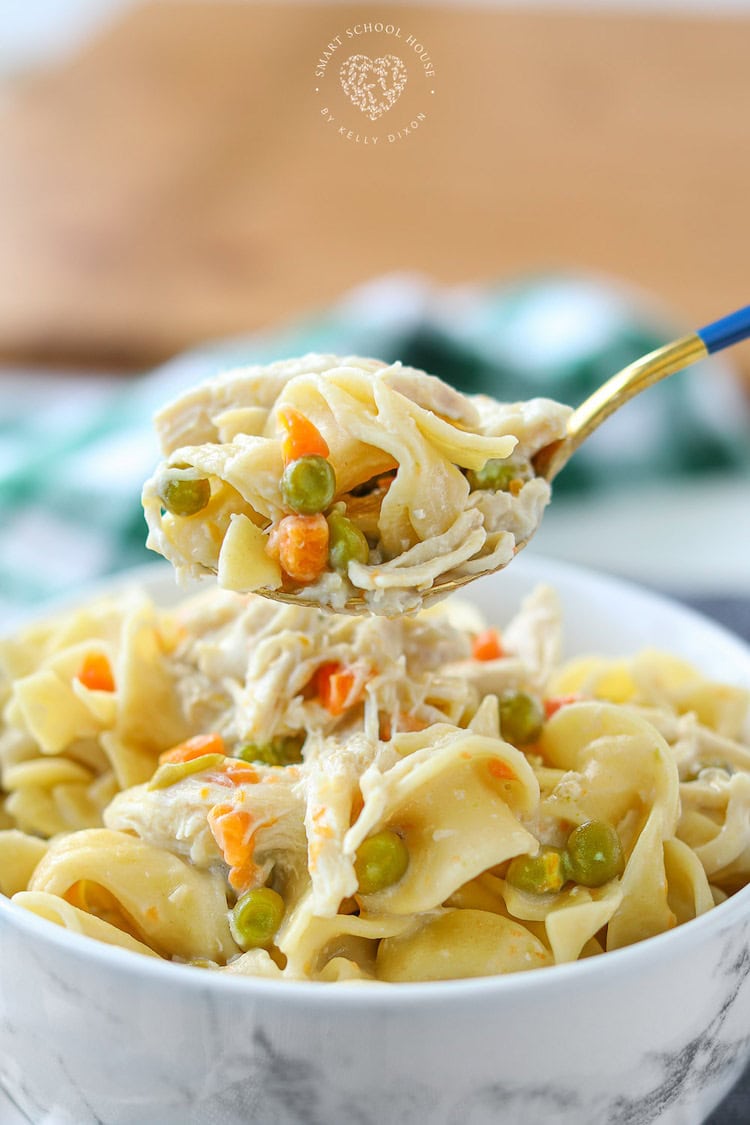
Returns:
(178, 180)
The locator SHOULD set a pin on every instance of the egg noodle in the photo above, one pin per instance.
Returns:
(336, 478)
(276, 791)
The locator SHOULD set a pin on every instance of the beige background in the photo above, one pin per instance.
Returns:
(176, 181)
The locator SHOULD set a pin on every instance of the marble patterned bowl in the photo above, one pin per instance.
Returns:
(655, 1032)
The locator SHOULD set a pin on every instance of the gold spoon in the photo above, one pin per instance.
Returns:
(594, 410)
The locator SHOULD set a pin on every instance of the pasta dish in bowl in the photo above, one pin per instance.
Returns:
(518, 883)
(270, 790)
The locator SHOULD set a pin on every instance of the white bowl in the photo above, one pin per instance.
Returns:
(656, 1031)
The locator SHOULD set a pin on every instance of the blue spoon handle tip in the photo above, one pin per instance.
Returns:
(727, 331)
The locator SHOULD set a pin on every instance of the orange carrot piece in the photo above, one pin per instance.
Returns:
(96, 672)
(240, 772)
(501, 770)
(334, 685)
(194, 748)
(302, 545)
(233, 831)
(487, 645)
(555, 702)
(301, 437)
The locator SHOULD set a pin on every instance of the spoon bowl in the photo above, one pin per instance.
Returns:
(585, 419)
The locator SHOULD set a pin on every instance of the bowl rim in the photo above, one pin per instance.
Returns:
(353, 994)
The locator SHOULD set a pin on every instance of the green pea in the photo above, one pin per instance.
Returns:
(308, 484)
(496, 474)
(185, 496)
(521, 718)
(539, 874)
(381, 861)
(594, 853)
(346, 543)
(256, 918)
(282, 751)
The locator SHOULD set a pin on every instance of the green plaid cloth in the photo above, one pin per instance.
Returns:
(75, 452)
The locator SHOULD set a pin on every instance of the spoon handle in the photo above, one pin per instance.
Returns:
(636, 377)
(727, 331)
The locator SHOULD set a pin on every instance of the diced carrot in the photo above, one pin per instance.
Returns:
(301, 437)
(515, 486)
(501, 770)
(555, 702)
(334, 684)
(194, 748)
(233, 831)
(487, 645)
(240, 772)
(301, 545)
(96, 672)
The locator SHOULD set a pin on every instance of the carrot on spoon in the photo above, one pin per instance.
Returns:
(300, 544)
(487, 646)
(301, 438)
(96, 672)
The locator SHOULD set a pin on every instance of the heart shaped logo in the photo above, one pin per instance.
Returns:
(373, 85)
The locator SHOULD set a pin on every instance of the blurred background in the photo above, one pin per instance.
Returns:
(560, 189)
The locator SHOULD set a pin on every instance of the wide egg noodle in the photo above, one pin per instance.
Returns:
(456, 815)
(67, 748)
(99, 621)
(657, 679)
(62, 913)
(49, 709)
(645, 909)
(620, 771)
(574, 921)
(618, 767)
(452, 944)
(726, 856)
(19, 855)
(688, 890)
(148, 712)
(175, 907)
(309, 941)
(52, 795)
(571, 918)
(194, 417)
